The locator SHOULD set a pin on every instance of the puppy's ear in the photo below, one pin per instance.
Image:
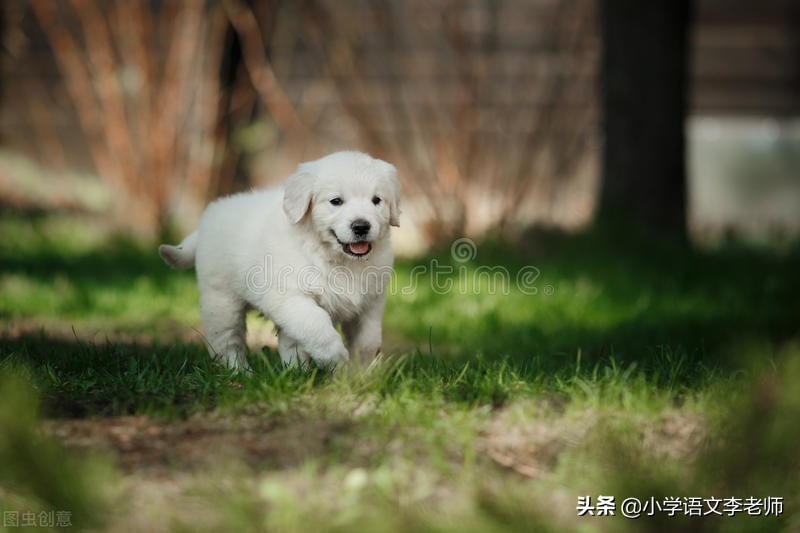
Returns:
(297, 195)
(394, 200)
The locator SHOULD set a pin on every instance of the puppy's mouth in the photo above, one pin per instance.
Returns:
(356, 249)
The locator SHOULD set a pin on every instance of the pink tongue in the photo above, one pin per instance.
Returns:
(359, 248)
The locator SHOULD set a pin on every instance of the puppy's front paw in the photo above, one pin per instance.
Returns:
(332, 357)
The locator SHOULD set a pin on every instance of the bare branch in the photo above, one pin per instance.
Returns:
(261, 73)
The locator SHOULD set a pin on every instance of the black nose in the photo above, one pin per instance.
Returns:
(360, 227)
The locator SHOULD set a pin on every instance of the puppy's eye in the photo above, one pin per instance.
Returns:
(376, 200)
(337, 201)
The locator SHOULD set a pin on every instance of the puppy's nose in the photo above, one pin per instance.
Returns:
(360, 227)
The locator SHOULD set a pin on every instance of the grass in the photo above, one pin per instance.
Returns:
(619, 366)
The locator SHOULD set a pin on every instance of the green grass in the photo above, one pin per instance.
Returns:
(628, 366)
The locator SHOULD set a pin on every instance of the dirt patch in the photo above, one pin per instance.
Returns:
(167, 330)
(675, 435)
(531, 445)
(260, 332)
(146, 444)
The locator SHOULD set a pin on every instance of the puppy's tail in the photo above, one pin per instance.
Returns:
(181, 256)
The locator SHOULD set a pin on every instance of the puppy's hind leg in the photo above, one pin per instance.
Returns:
(223, 318)
(363, 333)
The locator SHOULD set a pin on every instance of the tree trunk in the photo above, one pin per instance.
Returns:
(644, 104)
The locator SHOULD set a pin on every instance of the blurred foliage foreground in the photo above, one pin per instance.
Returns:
(613, 367)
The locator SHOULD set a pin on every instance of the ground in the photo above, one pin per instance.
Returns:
(516, 378)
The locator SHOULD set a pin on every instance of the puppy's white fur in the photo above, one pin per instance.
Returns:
(286, 252)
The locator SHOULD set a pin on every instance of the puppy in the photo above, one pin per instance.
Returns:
(311, 256)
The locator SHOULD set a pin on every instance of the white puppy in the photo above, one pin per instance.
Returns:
(311, 256)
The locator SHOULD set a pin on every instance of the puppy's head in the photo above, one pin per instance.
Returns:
(348, 199)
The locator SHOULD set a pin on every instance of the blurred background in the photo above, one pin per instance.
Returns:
(500, 114)
(637, 160)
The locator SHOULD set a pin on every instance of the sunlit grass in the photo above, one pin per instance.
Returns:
(74, 272)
